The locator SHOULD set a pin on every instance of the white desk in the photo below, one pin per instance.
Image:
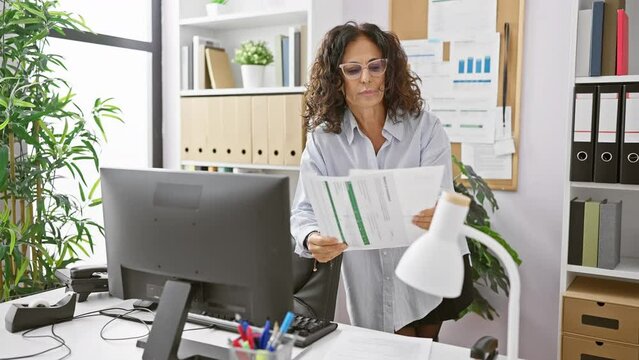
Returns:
(83, 335)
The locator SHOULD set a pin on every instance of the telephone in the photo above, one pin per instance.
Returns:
(84, 279)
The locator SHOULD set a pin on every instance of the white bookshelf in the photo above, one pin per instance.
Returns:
(241, 166)
(591, 185)
(247, 20)
(628, 268)
(607, 79)
(243, 91)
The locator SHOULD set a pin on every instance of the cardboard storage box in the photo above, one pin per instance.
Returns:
(603, 309)
(575, 347)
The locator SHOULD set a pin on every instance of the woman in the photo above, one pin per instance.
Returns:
(364, 109)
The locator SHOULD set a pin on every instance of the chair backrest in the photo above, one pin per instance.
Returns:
(315, 292)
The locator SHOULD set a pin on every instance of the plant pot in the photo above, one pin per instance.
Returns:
(213, 10)
(252, 76)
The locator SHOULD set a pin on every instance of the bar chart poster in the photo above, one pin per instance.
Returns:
(476, 68)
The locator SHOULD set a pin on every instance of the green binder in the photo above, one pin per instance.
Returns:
(591, 233)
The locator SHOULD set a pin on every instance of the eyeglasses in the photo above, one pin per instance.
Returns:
(353, 71)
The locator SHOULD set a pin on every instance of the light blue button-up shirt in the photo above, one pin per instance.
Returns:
(376, 299)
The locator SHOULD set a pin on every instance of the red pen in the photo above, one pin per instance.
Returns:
(236, 343)
(240, 330)
(249, 335)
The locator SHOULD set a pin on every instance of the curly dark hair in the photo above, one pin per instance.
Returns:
(324, 102)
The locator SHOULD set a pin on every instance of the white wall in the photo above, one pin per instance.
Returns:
(530, 218)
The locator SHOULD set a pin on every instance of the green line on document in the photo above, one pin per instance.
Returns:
(339, 226)
(470, 126)
(358, 216)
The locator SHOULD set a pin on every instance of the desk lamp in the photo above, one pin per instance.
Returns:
(433, 263)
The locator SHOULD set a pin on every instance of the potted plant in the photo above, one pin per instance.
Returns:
(44, 136)
(487, 270)
(253, 56)
(214, 6)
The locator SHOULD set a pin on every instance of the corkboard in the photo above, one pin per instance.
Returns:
(409, 20)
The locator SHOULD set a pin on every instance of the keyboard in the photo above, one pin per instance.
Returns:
(306, 330)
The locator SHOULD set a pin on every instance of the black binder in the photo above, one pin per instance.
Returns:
(606, 159)
(576, 232)
(629, 159)
(584, 122)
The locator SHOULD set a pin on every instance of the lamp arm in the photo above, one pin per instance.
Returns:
(515, 285)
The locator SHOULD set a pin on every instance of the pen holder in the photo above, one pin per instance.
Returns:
(283, 351)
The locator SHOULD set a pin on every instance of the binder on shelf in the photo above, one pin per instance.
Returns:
(295, 134)
(591, 233)
(609, 234)
(622, 42)
(236, 128)
(286, 64)
(609, 45)
(200, 75)
(195, 114)
(629, 159)
(259, 129)
(303, 55)
(276, 120)
(576, 232)
(596, 44)
(584, 124)
(277, 61)
(632, 10)
(216, 143)
(219, 68)
(294, 56)
(184, 68)
(584, 36)
(606, 159)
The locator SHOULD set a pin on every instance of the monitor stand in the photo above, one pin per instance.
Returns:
(165, 339)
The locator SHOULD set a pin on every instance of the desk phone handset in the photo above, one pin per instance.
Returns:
(84, 280)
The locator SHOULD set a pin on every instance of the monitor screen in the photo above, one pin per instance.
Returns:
(225, 234)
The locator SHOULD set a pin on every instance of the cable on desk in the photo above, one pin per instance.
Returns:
(54, 336)
(101, 312)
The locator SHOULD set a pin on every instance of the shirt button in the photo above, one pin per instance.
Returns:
(384, 253)
(388, 278)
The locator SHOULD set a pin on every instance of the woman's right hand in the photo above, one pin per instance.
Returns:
(324, 248)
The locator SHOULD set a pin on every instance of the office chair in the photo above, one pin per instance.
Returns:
(315, 292)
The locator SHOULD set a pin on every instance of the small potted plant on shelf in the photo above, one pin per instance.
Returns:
(214, 6)
(253, 56)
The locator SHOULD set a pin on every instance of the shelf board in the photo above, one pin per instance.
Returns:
(241, 166)
(606, 79)
(592, 185)
(628, 269)
(248, 20)
(245, 91)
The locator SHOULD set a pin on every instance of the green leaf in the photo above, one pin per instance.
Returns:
(21, 270)
(12, 240)
(93, 188)
(22, 103)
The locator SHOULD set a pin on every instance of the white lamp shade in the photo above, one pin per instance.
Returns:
(434, 266)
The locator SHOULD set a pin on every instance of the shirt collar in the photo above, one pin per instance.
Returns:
(395, 129)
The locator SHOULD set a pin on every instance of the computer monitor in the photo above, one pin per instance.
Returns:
(224, 235)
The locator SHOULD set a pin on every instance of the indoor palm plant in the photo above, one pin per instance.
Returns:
(253, 56)
(487, 270)
(44, 136)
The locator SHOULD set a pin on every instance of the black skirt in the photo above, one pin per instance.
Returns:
(450, 308)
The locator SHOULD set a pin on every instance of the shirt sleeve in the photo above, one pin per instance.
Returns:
(435, 148)
(303, 219)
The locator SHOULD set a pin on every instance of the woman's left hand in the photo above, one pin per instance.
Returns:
(424, 218)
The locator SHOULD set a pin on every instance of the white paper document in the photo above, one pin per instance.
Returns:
(482, 158)
(373, 209)
(461, 19)
(378, 345)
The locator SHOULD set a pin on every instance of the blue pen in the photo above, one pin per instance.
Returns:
(286, 323)
(265, 335)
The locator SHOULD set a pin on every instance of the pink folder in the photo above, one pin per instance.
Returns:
(622, 42)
